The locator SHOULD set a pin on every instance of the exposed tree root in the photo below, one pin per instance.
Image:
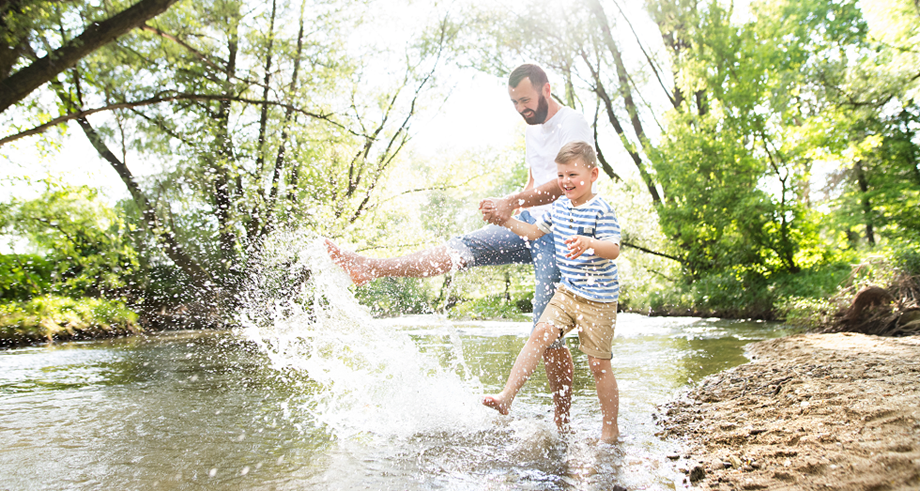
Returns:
(892, 311)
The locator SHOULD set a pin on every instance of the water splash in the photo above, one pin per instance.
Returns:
(358, 376)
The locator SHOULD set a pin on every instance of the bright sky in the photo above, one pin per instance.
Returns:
(477, 113)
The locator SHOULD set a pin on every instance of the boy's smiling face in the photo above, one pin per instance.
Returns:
(576, 179)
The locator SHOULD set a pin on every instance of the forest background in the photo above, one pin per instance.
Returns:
(762, 156)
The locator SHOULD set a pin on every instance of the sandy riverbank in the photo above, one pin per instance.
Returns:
(811, 411)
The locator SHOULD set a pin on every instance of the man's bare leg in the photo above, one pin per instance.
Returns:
(362, 269)
(525, 364)
(559, 369)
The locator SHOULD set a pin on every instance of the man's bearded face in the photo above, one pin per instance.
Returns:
(539, 116)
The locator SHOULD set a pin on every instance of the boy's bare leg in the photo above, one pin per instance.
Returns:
(559, 369)
(609, 395)
(542, 336)
(362, 269)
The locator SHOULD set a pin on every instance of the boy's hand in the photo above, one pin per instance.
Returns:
(578, 244)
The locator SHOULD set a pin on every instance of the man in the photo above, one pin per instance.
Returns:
(551, 126)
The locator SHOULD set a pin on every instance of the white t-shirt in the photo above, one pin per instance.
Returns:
(544, 141)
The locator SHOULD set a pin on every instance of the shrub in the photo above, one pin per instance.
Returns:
(50, 317)
(906, 257)
(493, 307)
(23, 276)
(396, 296)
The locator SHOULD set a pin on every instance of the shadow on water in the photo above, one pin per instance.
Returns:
(336, 400)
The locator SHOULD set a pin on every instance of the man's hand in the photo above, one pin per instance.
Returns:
(496, 211)
(578, 244)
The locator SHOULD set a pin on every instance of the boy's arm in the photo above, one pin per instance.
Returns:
(526, 230)
(578, 244)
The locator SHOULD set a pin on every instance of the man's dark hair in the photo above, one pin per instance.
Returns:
(536, 75)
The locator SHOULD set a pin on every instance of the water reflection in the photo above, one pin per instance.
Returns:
(206, 410)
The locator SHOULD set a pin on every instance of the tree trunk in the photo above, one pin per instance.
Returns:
(636, 158)
(285, 136)
(628, 101)
(166, 238)
(865, 202)
(225, 159)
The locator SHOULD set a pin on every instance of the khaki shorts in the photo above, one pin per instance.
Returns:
(595, 321)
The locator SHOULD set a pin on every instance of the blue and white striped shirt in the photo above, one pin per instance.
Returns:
(588, 275)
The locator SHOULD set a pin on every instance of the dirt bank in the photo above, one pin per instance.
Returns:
(812, 411)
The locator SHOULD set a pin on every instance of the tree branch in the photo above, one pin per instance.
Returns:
(157, 100)
(19, 85)
(626, 243)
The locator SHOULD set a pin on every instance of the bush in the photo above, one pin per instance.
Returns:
(50, 317)
(493, 307)
(906, 257)
(798, 298)
(731, 295)
(806, 312)
(82, 241)
(808, 298)
(396, 296)
(23, 276)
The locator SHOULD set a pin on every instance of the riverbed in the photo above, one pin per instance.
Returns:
(812, 411)
(213, 410)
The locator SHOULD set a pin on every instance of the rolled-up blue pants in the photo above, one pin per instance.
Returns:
(493, 245)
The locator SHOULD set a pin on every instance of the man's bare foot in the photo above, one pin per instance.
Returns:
(355, 265)
(497, 403)
(561, 418)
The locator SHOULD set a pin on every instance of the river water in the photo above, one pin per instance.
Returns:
(328, 398)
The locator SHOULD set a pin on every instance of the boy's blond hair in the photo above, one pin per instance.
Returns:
(582, 151)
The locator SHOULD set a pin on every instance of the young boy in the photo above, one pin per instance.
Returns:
(587, 238)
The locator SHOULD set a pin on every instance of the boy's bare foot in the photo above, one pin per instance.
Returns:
(610, 436)
(497, 403)
(354, 264)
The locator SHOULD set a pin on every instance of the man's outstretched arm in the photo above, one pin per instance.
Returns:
(499, 210)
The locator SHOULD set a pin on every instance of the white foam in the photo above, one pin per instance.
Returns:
(359, 376)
